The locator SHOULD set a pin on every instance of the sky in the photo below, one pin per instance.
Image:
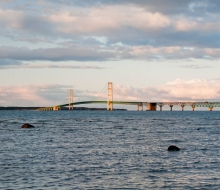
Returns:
(161, 50)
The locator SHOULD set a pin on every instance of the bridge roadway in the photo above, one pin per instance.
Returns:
(151, 106)
(91, 102)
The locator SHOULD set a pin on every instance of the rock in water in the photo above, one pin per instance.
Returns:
(26, 125)
(173, 148)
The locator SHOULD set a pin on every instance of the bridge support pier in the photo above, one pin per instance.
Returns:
(151, 106)
(182, 106)
(161, 105)
(171, 107)
(55, 108)
(140, 107)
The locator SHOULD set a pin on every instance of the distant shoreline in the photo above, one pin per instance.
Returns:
(19, 108)
(36, 108)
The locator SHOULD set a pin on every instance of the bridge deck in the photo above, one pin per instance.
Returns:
(194, 104)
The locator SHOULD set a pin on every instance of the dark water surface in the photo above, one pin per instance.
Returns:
(109, 150)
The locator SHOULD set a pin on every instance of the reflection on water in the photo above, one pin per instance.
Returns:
(109, 150)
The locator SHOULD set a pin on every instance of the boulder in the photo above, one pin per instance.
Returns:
(26, 125)
(173, 148)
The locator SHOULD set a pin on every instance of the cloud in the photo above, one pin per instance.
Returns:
(41, 95)
(11, 18)
(170, 53)
(157, 5)
(101, 19)
(170, 7)
(31, 95)
(51, 66)
(55, 54)
(8, 63)
(187, 25)
(9, 53)
(177, 90)
(195, 89)
(110, 30)
(194, 66)
(21, 25)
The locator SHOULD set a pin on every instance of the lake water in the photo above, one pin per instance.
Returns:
(109, 150)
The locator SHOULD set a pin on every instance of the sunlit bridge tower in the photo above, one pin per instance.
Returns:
(70, 97)
(110, 97)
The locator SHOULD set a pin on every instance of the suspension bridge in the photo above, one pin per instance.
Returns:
(150, 106)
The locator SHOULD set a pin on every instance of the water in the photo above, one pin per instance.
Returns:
(109, 150)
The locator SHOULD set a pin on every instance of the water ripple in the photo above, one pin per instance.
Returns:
(109, 150)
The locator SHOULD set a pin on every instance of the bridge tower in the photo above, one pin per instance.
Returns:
(70, 97)
(110, 97)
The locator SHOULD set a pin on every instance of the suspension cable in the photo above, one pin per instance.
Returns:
(121, 93)
(101, 92)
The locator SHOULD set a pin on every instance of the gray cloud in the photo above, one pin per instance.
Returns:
(55, 54)
(9, 54)
(168, 7)
(196, 66)
(38, 27)
(8, 62)
(74, 32)
(51, 66)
